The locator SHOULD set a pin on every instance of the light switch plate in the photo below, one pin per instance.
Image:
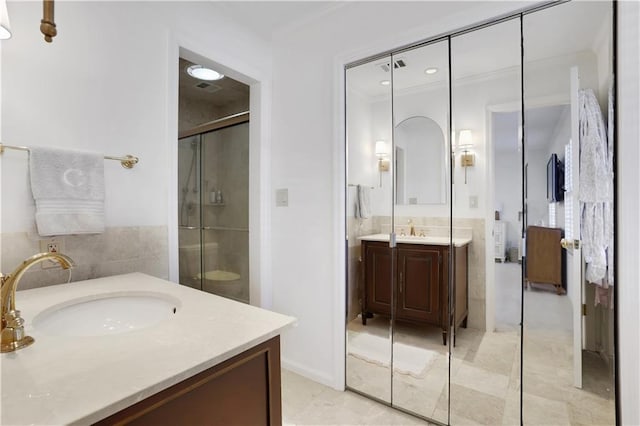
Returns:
(473, 201)
(282, 197)
(51, 245)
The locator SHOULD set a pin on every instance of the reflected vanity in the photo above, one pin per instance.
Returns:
(481, 111)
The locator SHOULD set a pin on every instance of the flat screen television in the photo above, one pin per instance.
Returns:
(555, 179)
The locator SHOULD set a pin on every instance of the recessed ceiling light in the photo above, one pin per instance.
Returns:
(202, 73)
(385, 82)
(431, 70)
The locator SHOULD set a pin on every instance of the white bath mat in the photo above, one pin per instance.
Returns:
(408, 359)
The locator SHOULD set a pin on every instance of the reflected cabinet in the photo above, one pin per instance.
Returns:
(479, 249)
(421, 283)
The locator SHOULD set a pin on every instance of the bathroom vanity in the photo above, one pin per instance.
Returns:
(183, 357)
(416, 278)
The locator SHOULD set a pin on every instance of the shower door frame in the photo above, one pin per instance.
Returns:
(201, 131)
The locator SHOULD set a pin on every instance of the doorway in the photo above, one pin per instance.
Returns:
(213, 182)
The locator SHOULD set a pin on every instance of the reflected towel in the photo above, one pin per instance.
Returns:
(68, 188)
(363, 203)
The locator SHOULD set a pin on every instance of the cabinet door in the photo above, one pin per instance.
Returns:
(419, 284)
(378, 278)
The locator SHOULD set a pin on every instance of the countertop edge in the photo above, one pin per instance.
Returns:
(173, 380)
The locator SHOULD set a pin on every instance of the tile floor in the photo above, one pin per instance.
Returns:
(485, 367)
(305, 402)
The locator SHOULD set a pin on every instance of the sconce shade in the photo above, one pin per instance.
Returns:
(381, 149)
(465, 140)
(5, 27)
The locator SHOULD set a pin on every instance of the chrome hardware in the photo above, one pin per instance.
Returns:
(570, 244)
(12, 333)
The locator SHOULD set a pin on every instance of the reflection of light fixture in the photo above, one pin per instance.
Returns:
(383, 158)
(5, 27)
(465, 143)
(385, 82)
(431, 70)
(202, 73)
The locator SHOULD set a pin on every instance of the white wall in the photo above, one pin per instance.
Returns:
(105, 91)
(628, 233)
(508, 192)
(308, 158)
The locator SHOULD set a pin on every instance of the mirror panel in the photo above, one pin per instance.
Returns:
(369, 210)
(487, 177)
(568, 358)
(420, 326)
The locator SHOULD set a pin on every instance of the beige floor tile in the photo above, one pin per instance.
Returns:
(481, 380)
(474, 406)
(305, 402)
(543, 411)
(512, 408)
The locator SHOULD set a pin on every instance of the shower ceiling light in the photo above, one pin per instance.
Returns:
(5, 27)
(385, 82)
(202, 73)
(431, 70)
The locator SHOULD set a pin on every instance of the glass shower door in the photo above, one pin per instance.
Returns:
(225, 212)
(213, 211)
(189, 223)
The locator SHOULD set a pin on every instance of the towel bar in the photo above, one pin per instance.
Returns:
(127, 161)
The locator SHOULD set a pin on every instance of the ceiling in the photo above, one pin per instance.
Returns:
(216, 94)
(266, 18)
(490, 50)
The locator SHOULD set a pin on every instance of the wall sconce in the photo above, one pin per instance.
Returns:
(5, 27)
(383, 158)
(465, 143)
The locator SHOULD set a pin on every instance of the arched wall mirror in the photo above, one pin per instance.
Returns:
(421, 166)
(476, 291)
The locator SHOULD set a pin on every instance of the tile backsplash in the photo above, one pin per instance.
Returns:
(118, 250)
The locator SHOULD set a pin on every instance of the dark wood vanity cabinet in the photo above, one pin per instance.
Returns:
(418, 276)
(244, 390)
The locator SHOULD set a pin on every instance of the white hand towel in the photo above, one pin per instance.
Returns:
(363, 203)
(68, 187)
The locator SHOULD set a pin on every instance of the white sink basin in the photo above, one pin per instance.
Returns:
(111, 313)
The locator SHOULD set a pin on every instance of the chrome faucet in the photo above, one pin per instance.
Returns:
(412, 231)
(13, 337)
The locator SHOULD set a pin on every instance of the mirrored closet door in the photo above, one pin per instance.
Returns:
(421, 215)
(479, 219)
(370, 263)
(568, 328)
(486, 268)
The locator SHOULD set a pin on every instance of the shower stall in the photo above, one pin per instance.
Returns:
(213, 207)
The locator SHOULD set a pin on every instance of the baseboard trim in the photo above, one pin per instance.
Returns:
(309, 373)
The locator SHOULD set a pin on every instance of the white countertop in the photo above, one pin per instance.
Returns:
(427, 240)
(80, 380)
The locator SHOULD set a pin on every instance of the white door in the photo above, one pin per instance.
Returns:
(571, 241)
